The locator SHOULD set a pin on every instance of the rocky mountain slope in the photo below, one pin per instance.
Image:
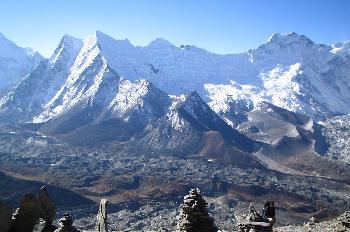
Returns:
(15, 63)
(336, 132)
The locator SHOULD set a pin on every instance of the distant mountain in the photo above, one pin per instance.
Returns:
(191, 128)
(289, 71)
(100, 89)
(293, 73)
(15, 63)
(27, 99)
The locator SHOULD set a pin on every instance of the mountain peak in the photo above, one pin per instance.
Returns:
(69, 38)
(194, 96)
(159, 42)
(100, 35)
(106, 42)
(290, 37)
(67, 49)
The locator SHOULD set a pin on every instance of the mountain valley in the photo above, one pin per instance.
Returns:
(141, 126)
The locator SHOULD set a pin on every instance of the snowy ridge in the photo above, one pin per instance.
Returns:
(66, 51)
(293, 73)
(15, 63)
(289, 71)
(129, 96)
(36, 89)
(177, 122)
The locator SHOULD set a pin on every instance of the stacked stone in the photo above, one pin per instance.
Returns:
(194, 214)
(66, 224)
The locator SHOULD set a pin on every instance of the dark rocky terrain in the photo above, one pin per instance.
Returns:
(145, 190)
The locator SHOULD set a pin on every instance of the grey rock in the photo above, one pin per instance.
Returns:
(102, 216)
(33, 208)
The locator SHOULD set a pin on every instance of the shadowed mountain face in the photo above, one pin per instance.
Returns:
(13, 189)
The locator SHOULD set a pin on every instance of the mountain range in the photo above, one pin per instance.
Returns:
(280, 108)
(94, 85)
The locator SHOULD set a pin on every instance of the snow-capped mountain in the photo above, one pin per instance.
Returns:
(289, 71)
(27, 99)
(94, 84)
(15, 63)
(293, 73)
(191, 127)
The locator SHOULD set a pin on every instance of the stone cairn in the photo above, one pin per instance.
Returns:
(194, 214)
(259, 222)
(66, 224)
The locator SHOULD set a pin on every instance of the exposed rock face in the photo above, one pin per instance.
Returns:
(48, 207)
(102, 216)
(32, 208)
(5, 217)
(194, 214)
(66, 224)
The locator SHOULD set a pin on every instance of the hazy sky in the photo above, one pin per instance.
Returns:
(217, 25)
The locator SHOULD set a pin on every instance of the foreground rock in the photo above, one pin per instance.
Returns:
(5, 217)
(33, 208)
(102, 216)
(194, 214)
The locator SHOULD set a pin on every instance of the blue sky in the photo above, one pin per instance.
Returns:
(217, 25)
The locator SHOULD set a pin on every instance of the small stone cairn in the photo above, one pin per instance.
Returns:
(66, 224)
(194, 214)
(259, 222)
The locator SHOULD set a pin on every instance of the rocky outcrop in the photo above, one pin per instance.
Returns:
(102, 216)
(194, 214)
(5, 217)
(31, 209)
